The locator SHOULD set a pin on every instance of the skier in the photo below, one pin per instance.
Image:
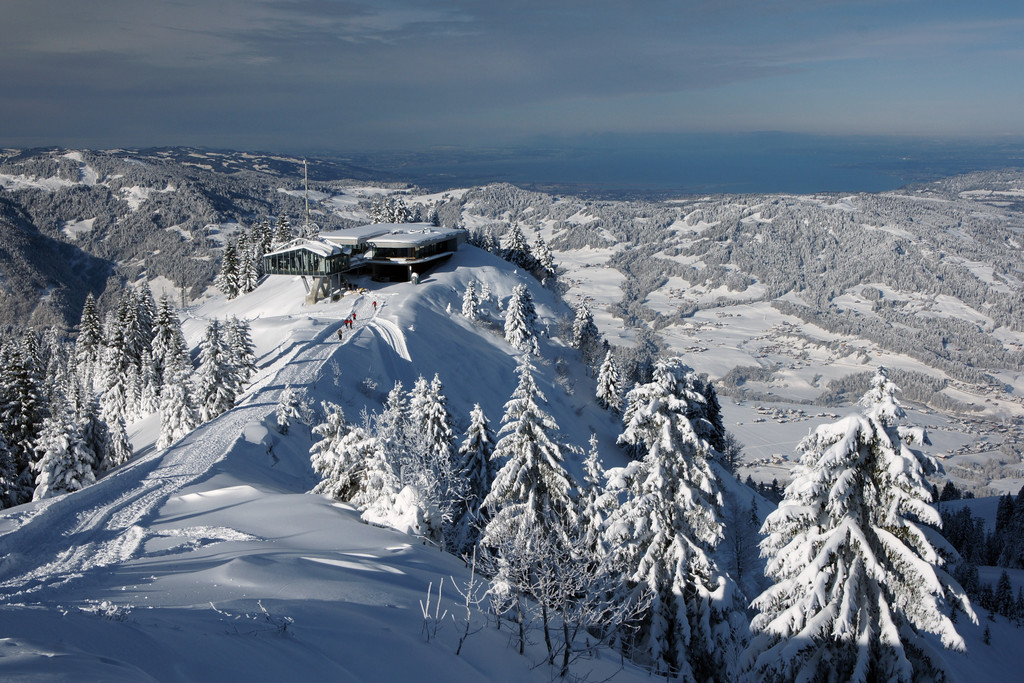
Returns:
(340, 334)
(374, 306)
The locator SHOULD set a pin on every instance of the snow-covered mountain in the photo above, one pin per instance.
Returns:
(209, 561)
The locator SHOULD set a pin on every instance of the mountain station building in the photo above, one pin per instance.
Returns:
(389, 252)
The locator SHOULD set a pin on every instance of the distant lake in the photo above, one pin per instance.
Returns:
(698, 164)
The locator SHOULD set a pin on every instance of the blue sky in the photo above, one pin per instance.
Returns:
(300, 75)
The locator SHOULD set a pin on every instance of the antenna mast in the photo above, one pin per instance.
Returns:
(305, 178)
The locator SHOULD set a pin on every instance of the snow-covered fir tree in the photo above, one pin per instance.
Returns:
(585, 335)
(436, 476)
(339, 457)
(227, 280)
(216, 380)
(595, 504)
(65, 463)
(178, 412)
(283, 231)
(857, 569)
(521, 321)
(241, 349)
(609, 389)
(287, 409)
(516, 250)
(168, 341)
(531, 487)
(118, 450)
(22, 409)
(545, 259)
(470, 302)
(89, 345)
(664, 534)
(477, 470)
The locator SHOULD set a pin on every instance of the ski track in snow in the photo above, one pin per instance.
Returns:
(392, 334)
(104, 524)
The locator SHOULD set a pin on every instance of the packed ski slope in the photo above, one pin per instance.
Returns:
(208, 561)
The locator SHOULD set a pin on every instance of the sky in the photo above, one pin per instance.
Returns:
(336, 75)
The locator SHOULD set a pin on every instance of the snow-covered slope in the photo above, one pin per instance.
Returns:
(208, 561)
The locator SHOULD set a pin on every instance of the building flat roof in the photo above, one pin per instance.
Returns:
(319, 247)
(390, 234)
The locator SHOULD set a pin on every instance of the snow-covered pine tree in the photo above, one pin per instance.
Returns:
(146, 305)
(609, 389)
(857, 573)
(470, 302)
(121, 344)
(8, 475)
(595, 504)
(287, 409)
(435, 472)
(118, 449)
(339, 457)
(521, 321)
(168, 340)
(88, 416)
(247, 277)
(217, 383)
(585, 335)
(64, 462)
(516, 250)
(283, 231)
(664, 534)
(227, 280)
(22, 410)
(89, 345)
(532, 486)
(477, 470)
(545, 259)
(178, 412)
(392, 458)
(242, 350)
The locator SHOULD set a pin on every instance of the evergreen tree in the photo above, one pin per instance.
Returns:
(532, 486)
(516, 250)
(339, 457)
(168, 342)
(118, 449)
(477, 470)
(856, 573)
(242, 351)
(545, 260)
(217, 383)
(64, 461)
(609, 391)
(9, 488)
(521, 321)
(178, 412)
(585, 335)
(228, 280)
(435, 473)
(664, 534)
(283, 231)
(89, 346)
(595, 506)
(287, 409)
(22, 411)
(470, 302)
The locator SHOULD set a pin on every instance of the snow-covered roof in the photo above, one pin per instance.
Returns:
(319, 247)
(390, 234)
